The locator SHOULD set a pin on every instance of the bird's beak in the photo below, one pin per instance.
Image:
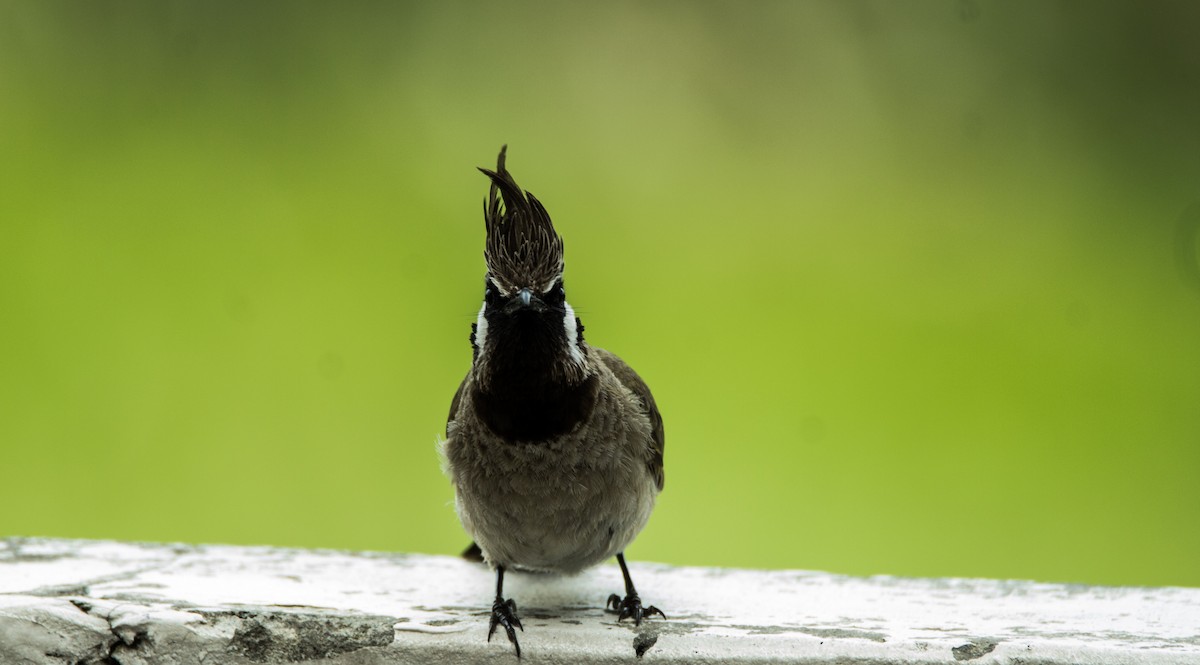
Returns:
(525, 300)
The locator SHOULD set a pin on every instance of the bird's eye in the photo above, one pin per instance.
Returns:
(491, 294)
(556, 295)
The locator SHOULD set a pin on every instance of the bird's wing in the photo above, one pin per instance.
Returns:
(454, 403)
(638, 387)
(472, 553)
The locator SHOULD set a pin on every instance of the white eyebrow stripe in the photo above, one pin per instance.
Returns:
(553, 283)
(492, 284)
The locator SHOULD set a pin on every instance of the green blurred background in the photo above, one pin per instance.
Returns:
(915, 284)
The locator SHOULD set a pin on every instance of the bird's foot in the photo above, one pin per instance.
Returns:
(504, 613)
(631, 607)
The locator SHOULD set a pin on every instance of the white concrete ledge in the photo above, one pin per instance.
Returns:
(80, 602)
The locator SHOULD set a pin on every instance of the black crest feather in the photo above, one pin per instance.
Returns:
(522, 249)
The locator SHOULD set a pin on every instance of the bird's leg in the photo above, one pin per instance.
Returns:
(504, 613)
(630, 605)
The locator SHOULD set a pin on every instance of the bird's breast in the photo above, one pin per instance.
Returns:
(530, 411)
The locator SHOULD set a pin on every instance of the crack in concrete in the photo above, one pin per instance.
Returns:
(84, 588)
(106, 647)
(258, 635)
(109, 657)
(14, 547)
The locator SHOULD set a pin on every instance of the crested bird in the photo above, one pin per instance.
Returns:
(554, 446)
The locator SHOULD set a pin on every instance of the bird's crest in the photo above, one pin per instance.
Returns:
(522, 250)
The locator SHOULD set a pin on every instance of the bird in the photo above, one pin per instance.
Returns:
(554, 447)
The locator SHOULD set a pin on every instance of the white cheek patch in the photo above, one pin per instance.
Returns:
(481, 328)
(572, 334)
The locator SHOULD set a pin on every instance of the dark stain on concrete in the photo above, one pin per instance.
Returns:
(643, 641)
(849, 633)
(296, 636)
(976, 648)
(58, 591)
(842, 632)
(541, 616)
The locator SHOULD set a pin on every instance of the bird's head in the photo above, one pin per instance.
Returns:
(525, 320)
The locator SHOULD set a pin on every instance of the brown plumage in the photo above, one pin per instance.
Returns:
(554, 447)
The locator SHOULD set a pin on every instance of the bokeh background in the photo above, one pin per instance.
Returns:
(916, 285)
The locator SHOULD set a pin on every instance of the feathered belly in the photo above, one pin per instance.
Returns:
(551, 515)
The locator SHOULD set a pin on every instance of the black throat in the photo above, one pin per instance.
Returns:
(525, 394)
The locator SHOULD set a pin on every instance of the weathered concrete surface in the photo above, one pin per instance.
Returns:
(69, 602)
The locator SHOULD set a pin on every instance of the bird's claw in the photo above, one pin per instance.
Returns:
(631, 607)
(504, 613)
